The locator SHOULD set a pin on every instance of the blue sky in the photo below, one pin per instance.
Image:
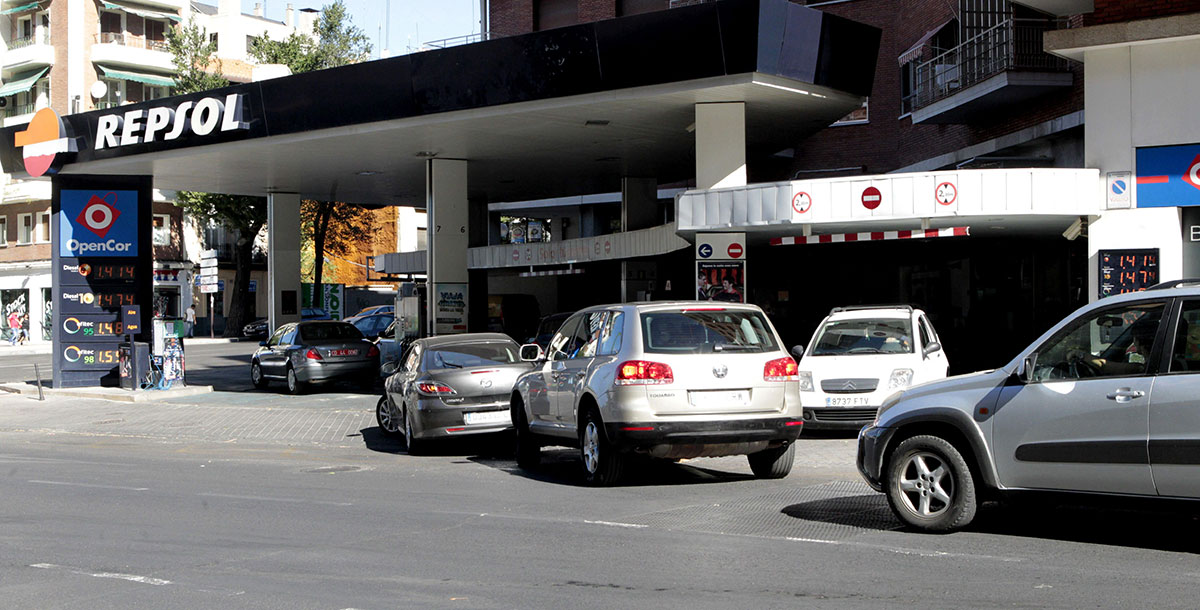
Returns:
(412, 21)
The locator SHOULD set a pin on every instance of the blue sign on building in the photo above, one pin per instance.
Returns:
(98, 223)
(1168, 176)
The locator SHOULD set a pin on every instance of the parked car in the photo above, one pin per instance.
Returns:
(858, 356)
(373, 309)
(666, 380)
(452, 385)
(315, 351)
(370, 325)
(546, 328)
(1102, 403)
(258, 328)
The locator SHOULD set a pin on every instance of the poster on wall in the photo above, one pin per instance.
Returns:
(14, 301)
(331, 299)
(721, 281)
(449, 309)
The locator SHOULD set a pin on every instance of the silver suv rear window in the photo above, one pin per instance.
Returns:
(706, 330)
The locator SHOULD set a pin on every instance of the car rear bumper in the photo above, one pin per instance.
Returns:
(435, 419)
(703, 438)
(871, 443)
(323, 372)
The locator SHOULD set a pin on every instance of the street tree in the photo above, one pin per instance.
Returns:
(198, 69)
(332, 226)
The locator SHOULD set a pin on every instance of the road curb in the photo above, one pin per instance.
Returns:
(113, 394)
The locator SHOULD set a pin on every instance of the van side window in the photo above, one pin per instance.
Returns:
(1185, 356)
(610, 338)
(560, 345)
(593, 329)
(926, 336)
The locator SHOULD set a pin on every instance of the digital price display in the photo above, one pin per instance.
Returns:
(84, 299)
(1123, 271)
(79, 327)
(77, 272)
(82, 355)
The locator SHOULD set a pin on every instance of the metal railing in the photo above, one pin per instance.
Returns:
(29, 41)
(129, 40)
(19, 109)
(1014, 44)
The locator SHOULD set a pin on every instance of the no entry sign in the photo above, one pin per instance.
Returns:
(735, 250)
(871, 198)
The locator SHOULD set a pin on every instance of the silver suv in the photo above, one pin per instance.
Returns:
(666, 380)
(1104, 402)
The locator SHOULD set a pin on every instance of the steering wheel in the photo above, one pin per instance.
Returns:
(1081, 368)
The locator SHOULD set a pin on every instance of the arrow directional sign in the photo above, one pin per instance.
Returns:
(705, 250)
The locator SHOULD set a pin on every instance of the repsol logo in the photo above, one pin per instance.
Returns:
(200, 118)
(110, 246)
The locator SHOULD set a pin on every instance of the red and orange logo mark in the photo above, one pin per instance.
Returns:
(44, 143)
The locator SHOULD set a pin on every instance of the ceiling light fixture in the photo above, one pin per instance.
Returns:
(597, 122)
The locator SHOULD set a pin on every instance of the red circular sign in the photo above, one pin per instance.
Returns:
(608, 247)
(871, 198)
(801, 202)
(516, 255)
(945, 193)
(735, 250)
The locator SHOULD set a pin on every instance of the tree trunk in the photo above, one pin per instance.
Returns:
(320, 227)
(243, 252)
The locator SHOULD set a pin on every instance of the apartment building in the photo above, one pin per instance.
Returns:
(82, 55)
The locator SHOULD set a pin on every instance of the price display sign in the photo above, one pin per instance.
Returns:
(85, 356)
(1123, 271)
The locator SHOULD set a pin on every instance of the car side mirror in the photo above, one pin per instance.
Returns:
(931, 348)
(797, 352)
(388, 368)
(1025, 369)
(531, 352)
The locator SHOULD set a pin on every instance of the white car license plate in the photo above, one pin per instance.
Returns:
(845, 402)
(487, 417)
(719, 398)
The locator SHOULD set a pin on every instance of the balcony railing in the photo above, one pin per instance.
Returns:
(129, 40)
(19, 109)
(1014, 44)
(29, 41)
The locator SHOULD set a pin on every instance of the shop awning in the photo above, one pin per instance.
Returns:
(17, 9)
(914, 52)
(24, 83)
(157, 80)
(141, 12)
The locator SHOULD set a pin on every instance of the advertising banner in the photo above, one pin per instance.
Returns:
(1168, 176)
(331, 299)
(98, 223)
(721, 281)
(449, 309)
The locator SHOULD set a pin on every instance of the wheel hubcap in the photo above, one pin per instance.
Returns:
(591, 447)
(291, 379)
(926, 485)
(386, 417)
(256, 374)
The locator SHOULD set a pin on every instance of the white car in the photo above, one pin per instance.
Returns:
(861, 355)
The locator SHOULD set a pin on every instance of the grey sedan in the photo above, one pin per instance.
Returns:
(450, 386)
(310, 352)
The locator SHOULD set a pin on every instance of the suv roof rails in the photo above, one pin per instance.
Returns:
(1174, 283)
(907, 308)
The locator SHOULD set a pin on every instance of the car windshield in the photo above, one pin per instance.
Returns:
(864, 336)
(706, 330)
(329, 332)
(467, 355)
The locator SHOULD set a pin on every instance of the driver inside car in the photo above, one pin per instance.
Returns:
(1135, 355)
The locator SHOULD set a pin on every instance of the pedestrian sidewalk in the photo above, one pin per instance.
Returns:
(29, 349)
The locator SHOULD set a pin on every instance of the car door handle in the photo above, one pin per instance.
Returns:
(1125, 395)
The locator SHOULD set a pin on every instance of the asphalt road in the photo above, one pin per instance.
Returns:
(259, 500)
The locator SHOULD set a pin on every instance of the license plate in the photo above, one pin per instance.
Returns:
(487, 417)
(719, 398)
(343, 352)
(845, 402)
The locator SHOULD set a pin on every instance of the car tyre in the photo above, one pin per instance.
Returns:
(773, 463)
(294, 385)
(602, 464)
(929, 485)
(385, 415)
(256, 376)
(528, 449)
(411, 443)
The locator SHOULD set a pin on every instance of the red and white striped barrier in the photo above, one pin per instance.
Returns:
(837, 238)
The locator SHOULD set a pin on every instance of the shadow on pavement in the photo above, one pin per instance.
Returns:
(865, 511)
(562, 467)
(484, 446)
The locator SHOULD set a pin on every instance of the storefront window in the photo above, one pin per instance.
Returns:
(15, 300)
(47, 315)
(521, 230)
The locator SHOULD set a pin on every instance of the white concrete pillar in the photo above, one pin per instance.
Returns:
(283, 258)
(447, 212)
(720, 145)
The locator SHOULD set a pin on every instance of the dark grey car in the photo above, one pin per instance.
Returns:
(1103, 403)
(304, 353)
(450, 386)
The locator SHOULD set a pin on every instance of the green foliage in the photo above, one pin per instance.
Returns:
(236, 212)
(333, 42)
(194, 56)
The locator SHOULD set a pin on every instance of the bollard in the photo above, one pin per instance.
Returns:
(38, 373)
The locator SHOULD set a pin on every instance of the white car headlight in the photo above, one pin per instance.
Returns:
(806, 382)
(900, 379)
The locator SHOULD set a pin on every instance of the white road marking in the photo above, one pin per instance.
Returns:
(90, 485)
(614, 524)
(268, 499)
(146, 580)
